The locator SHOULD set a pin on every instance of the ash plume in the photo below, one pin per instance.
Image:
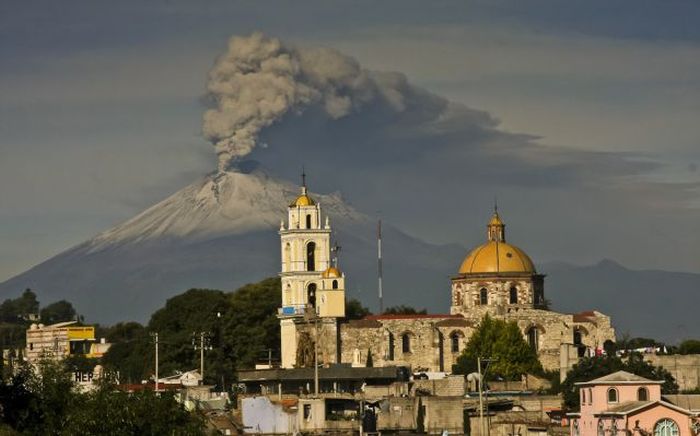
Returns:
(259, 80)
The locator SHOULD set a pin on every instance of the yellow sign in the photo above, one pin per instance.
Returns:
(81, 333)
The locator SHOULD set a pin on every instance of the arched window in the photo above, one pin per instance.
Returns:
(642, 394)
(513, 295)
(391, 347)
(577, 337)
(311, 256)
(335, 284)
(308, 221)
(287, 256)
(483, 297)
(406, 343)
(612, 395)
(533, 338)
(454, 341)
(666, 427)
(311, 294)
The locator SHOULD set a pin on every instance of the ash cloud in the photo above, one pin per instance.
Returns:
(260, 80)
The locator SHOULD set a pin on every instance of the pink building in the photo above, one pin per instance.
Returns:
(624, 404)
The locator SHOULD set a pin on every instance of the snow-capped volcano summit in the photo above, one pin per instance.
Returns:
(221, 204)
(221, 232)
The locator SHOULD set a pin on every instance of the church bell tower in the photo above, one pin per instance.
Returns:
(313, 288)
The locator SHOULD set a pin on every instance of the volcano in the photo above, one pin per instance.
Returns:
(220, 233)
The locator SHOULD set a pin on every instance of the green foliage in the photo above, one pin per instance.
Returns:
(241, 326)
(355, 310)
(504, 343)
(16, 310)
(628, 343)
(591, 368)
(47, 403)
(79, 363)
(404, 310)
(689, 346)
(58, 312)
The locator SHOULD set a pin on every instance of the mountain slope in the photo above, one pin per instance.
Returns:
(221, 232)
(658, 304)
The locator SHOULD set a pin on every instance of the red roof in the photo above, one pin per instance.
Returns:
(411, 316)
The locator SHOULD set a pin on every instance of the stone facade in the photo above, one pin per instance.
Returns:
(684, 368)
(496, 278)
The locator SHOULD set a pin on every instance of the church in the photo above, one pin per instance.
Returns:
(495, 278)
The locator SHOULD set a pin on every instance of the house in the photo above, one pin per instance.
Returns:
(627, 404)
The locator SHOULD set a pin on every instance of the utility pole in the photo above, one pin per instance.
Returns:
(379, 266)
(204, 344)
(481, 398)
(201, 355)
(155, 337)
(316, 354)
(485, 430)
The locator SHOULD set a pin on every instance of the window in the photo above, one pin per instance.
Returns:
(311, 256)
(590, 396)
(642, 394)
(308, 221)
(454, 342)
(307, 411)
(406, 343)
(612, 395)
(391, 347)
(31, 346)
(513, 295)
(533, 338)
(335, 284)
(311, 294)
(666, 427)
(583, 396)
(483, 297)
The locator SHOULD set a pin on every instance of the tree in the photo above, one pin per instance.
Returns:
(503, 342)
(58, 312)
(45, 402)
(689, 346)
(355, 310)
(590, 368)
(15, 310)
(240, 327)
(404, 310)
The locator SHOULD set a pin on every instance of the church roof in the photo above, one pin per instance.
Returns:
(412, 316)
(620, 377)
(497, 256)
(303, 200)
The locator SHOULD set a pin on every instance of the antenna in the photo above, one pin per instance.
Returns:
(379, 265)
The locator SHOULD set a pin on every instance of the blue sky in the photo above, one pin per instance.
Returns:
(596, 155)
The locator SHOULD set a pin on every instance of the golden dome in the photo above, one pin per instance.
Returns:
(496, 220)
(331, 272)
(302, 200)
(497, 257)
